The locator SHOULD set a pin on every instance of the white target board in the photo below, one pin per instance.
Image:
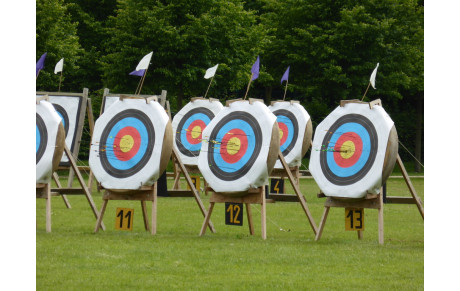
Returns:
(188, 126)
(237, 145)
(127, 146)
(295, 138)
(47, 140)
(349, 150)
(71, 108)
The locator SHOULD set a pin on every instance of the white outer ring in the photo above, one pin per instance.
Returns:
(372, 181)
(44, 168)
(150, 173)
(213, 105)
(258, 174)
(294, 157)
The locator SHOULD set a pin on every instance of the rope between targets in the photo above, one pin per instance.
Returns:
(274, 223)
(410, 153)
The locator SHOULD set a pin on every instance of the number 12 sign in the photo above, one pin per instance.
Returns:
(233, 213)
(354, 218)
(124, 219)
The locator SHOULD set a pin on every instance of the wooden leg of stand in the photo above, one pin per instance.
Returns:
(381, 240)
(322, 223)
(101, 215)
(58, 184)
(360, 234)
(249, 215)
(206, 219)
(144, 214)
(48, 207)
(154, 211)
(263, 215)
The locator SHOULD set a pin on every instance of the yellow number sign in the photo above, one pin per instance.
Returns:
(354, 218)
(196, 182)
(124, 219)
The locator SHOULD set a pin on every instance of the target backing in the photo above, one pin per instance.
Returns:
(132, 142)
(295, 131)
(240, 147)
(352, 151)
(188, 126)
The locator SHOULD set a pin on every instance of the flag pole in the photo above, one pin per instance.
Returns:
(138, 84)
(249, 84)
(366, 91)
(208, 87)
(285, 89)
(60, 80)
(143, 78)
(38, 74)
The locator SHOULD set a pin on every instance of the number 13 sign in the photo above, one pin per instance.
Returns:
(354, 218)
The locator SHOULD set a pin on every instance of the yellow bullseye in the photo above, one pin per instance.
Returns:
(126, 143)
(233, 145)
(196, 132)
(281, 134)
(347, 149)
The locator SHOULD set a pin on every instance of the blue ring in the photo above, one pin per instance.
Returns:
(364, 135)
(290, 126)
(250, 135)
(183, 133)
(125, 122)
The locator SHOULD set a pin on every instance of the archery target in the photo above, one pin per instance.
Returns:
(349, 150)
(128, 146)
(240, 142)
(188, 125)
(49, 136)
(69, 108)
(295, 131)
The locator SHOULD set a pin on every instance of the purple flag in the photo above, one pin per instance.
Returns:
(139, 73)
(286, 75)
(255, 69)
(41, 63)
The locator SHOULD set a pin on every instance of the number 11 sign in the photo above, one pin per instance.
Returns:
(124, 219)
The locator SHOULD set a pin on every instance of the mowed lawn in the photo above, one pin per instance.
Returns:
(72, 257)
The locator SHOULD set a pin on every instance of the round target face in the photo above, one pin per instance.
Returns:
(234, 145)
(41, 136)
(126, 143)
(63, 114)
(289, 130)
(349, 149)
(189, 130)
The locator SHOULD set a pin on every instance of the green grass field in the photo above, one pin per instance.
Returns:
(72, 257)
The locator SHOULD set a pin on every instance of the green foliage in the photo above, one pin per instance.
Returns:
(57, 35)
(331, 46)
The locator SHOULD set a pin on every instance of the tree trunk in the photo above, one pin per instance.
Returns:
(180, 97)
(268, 95)
(418, 132)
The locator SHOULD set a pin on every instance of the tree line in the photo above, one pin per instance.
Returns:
(331, 48)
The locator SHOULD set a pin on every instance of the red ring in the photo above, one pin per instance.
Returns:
(283, 127)
(241, 135)
(356, 139)
(125, 156)
(192, 125)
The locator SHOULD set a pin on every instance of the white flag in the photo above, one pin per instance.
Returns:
(59, 66)
(144, 63)
(211, 72)
(374, 73)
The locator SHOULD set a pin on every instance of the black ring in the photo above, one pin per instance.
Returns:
(43, 138)
(64, 115)
(179, 129)
(295, 124)
(141, 116)
(369, 126)
(231, 176)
